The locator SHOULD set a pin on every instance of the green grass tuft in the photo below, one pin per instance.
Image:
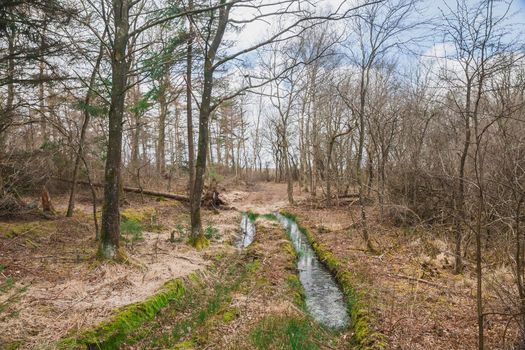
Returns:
(132, 228)
(277, 332)
(212, 233)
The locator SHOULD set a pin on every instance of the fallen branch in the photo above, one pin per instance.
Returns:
(169, 195)
(415, 279)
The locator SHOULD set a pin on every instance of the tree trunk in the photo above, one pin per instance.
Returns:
(136, 129)
(461, 185)
(189, 115)
(199, 241)
(41, 90)
(520, 265)
(200, 165)
(360, 150)
(328, 169)
(178, 142)
(47, 206)
(288, 170)
(161, 148)
(7, 115)
(110, 231)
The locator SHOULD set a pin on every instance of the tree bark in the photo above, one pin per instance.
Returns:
(461, 183)
(161, 144)
(360, 150)
(110, 230)
(204, 116)
(189, 115)
(7, 116)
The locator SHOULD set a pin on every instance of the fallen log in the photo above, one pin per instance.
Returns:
(169, 195)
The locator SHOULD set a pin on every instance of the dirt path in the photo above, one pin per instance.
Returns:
(263, 197)
(250, 299)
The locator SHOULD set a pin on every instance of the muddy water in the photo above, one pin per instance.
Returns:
(324, 298)
(247, 232)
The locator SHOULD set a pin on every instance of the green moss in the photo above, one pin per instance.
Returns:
(144, 214)
(230, 315)
(199, 242)
(185, 345)
(11, 230)
(291, 251)
(252, 216)
(296, 290)
(110, 334)
(253, 266)
(365, 337)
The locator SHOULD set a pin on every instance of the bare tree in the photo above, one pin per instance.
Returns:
(378, 28)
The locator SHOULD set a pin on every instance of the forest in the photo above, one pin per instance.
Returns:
(262, 174)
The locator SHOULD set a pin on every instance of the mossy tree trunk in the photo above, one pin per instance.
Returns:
(161, 144)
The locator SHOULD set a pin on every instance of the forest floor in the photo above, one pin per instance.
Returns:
(52, 285)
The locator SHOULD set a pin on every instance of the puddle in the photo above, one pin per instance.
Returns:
(247, 232)
(324, 298)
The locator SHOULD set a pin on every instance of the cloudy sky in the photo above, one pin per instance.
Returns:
(256, 31)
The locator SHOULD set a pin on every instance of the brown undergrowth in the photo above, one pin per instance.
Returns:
(417, 301)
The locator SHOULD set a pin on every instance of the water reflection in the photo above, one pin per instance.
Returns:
(324, 298)
(247, 232)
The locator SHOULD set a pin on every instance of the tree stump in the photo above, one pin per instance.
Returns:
(47, 206)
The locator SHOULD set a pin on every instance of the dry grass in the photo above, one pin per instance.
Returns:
(62, 288)
(419, 303)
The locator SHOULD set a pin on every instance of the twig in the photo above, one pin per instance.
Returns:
(415, 279)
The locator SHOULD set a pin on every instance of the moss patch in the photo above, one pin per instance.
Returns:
(11, 230)
(254, 216)
(187, 322)
(143, 214)
(199, 242)
(110, 334)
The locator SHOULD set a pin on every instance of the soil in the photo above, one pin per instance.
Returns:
(261, 197)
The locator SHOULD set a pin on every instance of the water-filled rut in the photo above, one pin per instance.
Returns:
(324, 298)
(247, 232)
